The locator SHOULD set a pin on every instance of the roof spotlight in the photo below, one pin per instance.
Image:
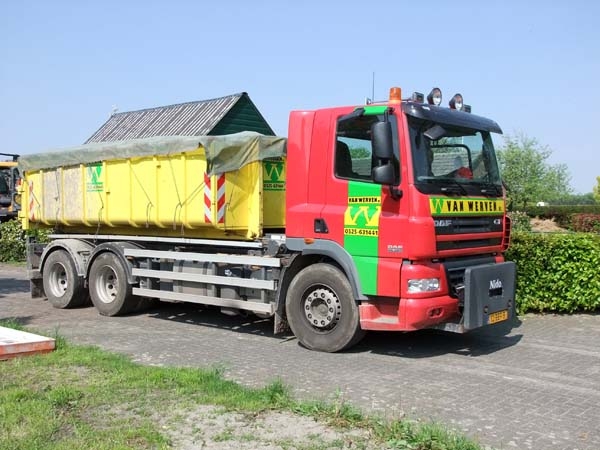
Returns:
(456, 102)
(435, 97)
(417, 97)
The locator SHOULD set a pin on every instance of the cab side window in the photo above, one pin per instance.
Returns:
(353, 150)
(354, 158)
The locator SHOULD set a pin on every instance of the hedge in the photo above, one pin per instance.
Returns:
(562, 214)
(560, 210)
(585, 223)
(556, 272)
(13, 240)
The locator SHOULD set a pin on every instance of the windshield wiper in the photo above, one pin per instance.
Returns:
(490, 189)
(455, 188)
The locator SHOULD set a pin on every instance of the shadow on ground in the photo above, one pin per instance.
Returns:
(418, 344)
(213, 318)
(428, 343)
(21, 320)
(9, 286)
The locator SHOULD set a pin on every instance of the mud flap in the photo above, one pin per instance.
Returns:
(489, 294)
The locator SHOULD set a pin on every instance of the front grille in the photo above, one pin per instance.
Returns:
(465, 225)
(469, 243)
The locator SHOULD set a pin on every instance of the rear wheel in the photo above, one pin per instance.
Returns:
(321, 309)
(63, 287)
(109, 290)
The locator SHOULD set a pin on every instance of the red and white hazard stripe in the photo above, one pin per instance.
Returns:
(220, 199)
(31, 204)
(207, 198)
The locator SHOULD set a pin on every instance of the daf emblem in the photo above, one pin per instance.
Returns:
(395, 248)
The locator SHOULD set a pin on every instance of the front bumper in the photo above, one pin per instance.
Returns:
(408, 314)
(489, 293)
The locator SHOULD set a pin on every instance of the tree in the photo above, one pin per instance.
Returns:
(528, 176)
(597, 190)
(360, 152)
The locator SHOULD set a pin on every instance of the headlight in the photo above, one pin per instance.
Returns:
(419, 285)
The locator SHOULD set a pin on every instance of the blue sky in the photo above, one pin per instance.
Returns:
(534, 66)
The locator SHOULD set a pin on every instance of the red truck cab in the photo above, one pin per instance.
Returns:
(407, 198)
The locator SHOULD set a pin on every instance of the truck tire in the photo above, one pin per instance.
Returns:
(321, 309)
(63, 287)
(109, 290)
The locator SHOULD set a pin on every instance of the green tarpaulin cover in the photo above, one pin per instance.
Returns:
(223, 153)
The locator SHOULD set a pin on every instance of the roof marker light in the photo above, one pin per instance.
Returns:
(456, 102)
(395, 95)
(435, 97)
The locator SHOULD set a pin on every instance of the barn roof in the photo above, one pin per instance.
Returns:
(223, 115)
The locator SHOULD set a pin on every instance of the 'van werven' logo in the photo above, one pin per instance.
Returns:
(94, 174)
(465, 206)
(273, 176)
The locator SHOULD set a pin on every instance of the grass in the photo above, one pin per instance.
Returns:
(83, 397)
(14, 263)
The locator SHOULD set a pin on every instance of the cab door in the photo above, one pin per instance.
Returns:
(353, 203)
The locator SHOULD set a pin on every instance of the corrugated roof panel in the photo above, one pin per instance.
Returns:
(187, 119)
(181, 116)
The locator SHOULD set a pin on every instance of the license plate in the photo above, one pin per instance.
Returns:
(498, 316)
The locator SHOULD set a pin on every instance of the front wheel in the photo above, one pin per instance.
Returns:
(321, 309)
(110, 292)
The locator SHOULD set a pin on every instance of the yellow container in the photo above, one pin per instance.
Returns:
(159, 195)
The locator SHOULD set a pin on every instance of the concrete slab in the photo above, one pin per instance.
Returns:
(15, 343)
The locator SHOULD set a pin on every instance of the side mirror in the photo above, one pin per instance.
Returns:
(384, 175)
(381, 140)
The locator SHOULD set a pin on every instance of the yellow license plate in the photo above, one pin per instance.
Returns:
(498, 316)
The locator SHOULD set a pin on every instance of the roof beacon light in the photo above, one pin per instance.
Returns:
(435, 97)
(456, 102)
(395, 95)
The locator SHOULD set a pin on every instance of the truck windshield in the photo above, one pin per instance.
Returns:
(448, 159)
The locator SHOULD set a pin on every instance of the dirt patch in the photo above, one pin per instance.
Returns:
(545, 226)
(209, 427)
